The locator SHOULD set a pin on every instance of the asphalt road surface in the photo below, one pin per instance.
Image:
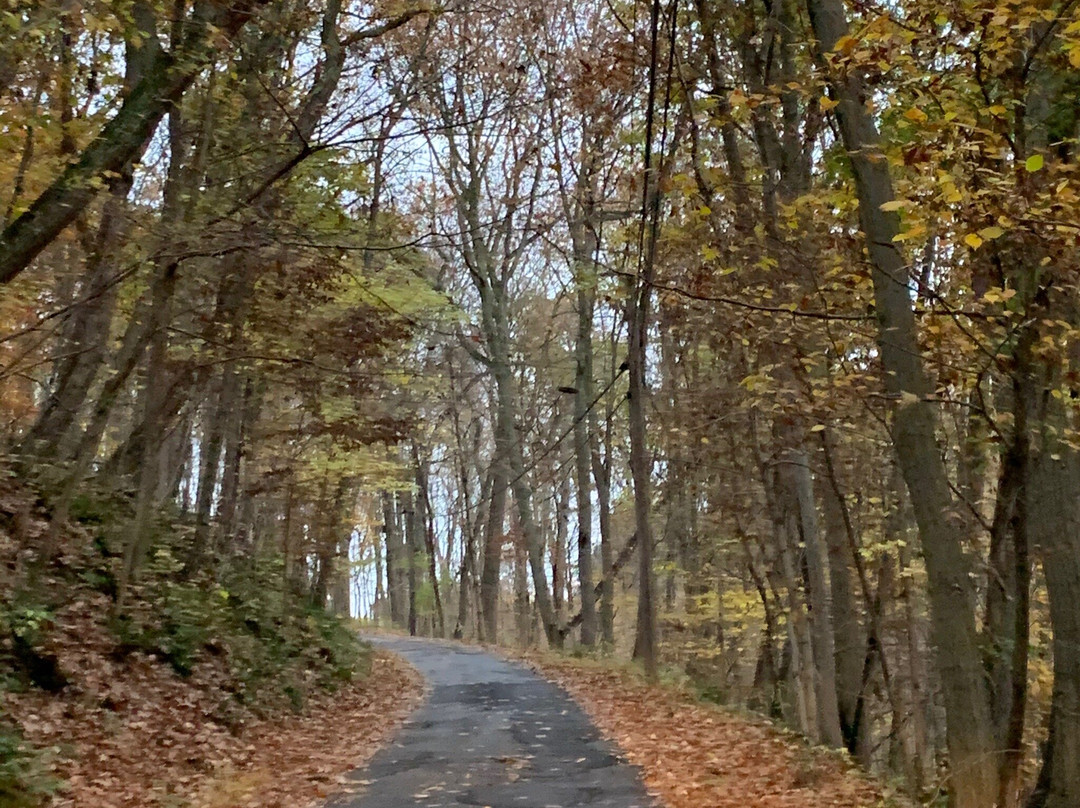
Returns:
(492, 734)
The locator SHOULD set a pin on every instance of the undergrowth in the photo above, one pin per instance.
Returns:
(270, 646)
(25, 780)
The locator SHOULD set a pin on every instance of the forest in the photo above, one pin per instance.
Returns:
(733, 337)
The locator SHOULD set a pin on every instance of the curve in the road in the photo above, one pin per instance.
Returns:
(492, 734)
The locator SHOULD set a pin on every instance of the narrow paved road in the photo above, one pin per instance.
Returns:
(492, 734)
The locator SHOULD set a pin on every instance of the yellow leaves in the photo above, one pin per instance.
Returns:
(896, 204)
(915, 231)
(845, 45)
(1034, 163)
(977, 239)
(709, 253)
(817, 428)
(998, 295)
(755, 382)
(915, 114)
(827, 103)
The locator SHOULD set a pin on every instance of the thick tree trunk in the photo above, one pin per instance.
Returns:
(969, 728)
(1055, 533)
(166, 77)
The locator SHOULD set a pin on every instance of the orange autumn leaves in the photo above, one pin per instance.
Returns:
(133, 734)
(698, 756)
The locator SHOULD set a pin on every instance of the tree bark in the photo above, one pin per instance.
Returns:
(583, 397)
(969, 726)
(493, 548)
(395, 561)
(122, 141)
(1055, 531)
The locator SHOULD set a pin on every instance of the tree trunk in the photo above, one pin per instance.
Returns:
(602, 475)
(166, 77)
(413, 545)
(395, 561)
(969, 726)
(794, 476)
(849, 638)
(1055, 533)
(560, 577)
(583, 400)
(427, 523)
(493, 548)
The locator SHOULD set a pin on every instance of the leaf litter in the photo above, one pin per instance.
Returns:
(696, 755)
(133, 734)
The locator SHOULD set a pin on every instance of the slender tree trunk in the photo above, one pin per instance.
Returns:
(1007, 618)
(395, 561)
(602, 475)
(523, 493)
(139, 531)
(796, 469)
(583, 398)
(522, 610)
(493, 548)
(427, 522)
(559, 575)
(413, 544)
(641, 471)
(849, 638)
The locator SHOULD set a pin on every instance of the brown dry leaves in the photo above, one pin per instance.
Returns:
(132, 733)
(696, 756)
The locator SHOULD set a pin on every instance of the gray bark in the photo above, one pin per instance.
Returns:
(167, 76)
(969, 730)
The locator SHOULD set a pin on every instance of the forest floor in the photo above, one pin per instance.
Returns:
(694, 754)
(132, 733)
(197, 696)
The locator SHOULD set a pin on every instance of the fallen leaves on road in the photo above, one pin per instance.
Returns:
(133, 734)
(694, 755)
